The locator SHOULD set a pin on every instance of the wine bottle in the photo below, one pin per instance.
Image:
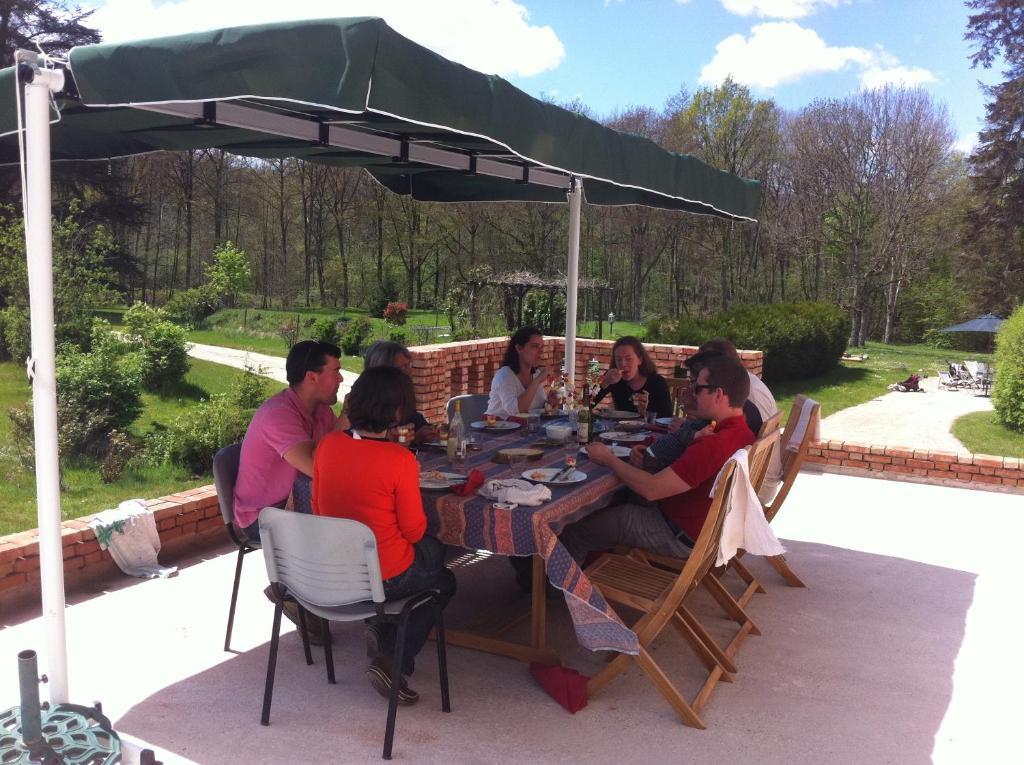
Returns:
(584, 421)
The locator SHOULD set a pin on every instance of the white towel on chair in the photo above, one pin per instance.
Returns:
(745, 527)
(130, 534)
(800, 429)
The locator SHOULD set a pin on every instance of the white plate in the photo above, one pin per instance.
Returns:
(620, 414)
(623, 436)
(499, 425)
(544, 475)
(445, 481)
(666, 421)
(618, 451)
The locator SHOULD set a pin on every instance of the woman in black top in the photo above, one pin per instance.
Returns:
(632, 374)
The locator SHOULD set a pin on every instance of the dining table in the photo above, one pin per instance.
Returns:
(476, 522)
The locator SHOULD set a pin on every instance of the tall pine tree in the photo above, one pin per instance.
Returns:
(997, 223)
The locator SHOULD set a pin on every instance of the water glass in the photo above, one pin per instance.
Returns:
(515, 463)
(533, 422)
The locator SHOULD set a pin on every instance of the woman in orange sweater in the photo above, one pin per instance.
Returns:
(362, 475)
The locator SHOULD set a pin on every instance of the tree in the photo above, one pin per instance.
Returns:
(55, 26)
(229, 274)
(997, 223)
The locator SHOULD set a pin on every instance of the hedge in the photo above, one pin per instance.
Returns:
(799, 340)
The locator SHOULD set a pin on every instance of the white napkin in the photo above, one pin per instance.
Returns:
(745, 526)
(800, 429)
(515, 491)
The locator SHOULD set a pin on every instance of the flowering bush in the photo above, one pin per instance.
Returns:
(396, 313)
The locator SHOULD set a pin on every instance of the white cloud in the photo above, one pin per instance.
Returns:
(777, 9)
(492, 36)
(908, 76)
(777, 53)
(780, 52)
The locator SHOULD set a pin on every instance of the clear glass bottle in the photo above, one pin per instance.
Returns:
(456, 436)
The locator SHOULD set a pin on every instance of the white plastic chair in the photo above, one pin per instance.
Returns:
(330, 567)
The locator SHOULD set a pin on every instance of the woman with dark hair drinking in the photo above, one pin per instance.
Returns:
(361, 475)
(633, 380)
(518, 386)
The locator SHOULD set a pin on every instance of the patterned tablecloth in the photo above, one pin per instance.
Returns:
(474, 523)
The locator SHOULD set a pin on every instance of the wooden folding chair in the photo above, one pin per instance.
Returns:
(678, 388)
(659, 594)
(760, 456)
(793, 456)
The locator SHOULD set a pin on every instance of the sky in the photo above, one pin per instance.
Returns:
(617, 54)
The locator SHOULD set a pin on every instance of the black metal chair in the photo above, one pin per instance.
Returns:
(330, 567)
(225, 473)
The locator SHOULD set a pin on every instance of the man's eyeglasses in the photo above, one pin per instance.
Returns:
(697, 388)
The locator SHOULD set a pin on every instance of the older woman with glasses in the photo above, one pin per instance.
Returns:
(388, 353)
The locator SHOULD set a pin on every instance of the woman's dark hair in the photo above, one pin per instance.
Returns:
(380, 398)
(308, 356)
(521, 337)
(647, 367)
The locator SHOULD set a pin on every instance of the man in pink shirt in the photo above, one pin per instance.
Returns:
(279, 442)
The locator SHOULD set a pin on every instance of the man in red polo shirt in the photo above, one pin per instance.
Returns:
(682, 490)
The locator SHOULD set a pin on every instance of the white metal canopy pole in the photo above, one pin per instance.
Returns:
(42, 366)
(575, 196)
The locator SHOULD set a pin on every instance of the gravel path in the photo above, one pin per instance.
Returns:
(270, 366)
(916, 420)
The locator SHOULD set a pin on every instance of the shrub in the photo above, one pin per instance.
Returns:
(546, 311)
(325, 330)
(398, 336)
(289, 332)
(96, 394)
(163, 346)
(17, 339)
(799, 340)
(386, 293)
(194, 305)
(193, 438)
(1008, 392)
(356, 333)
(396, 313)
(121, 450)
(249, 389)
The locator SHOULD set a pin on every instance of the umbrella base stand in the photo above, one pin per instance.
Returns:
(67, 734)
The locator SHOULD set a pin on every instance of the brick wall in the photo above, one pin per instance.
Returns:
(442, 371)
(185, 521)
(975, 471)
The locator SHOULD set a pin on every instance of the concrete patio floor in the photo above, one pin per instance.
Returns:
(905, 649)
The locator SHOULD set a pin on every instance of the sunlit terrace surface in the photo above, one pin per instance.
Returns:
(905, 648)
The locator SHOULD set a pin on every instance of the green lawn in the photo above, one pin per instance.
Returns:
(981, 434)
(86, 493)
(856, 382)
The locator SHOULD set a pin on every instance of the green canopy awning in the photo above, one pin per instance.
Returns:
(354, 92)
